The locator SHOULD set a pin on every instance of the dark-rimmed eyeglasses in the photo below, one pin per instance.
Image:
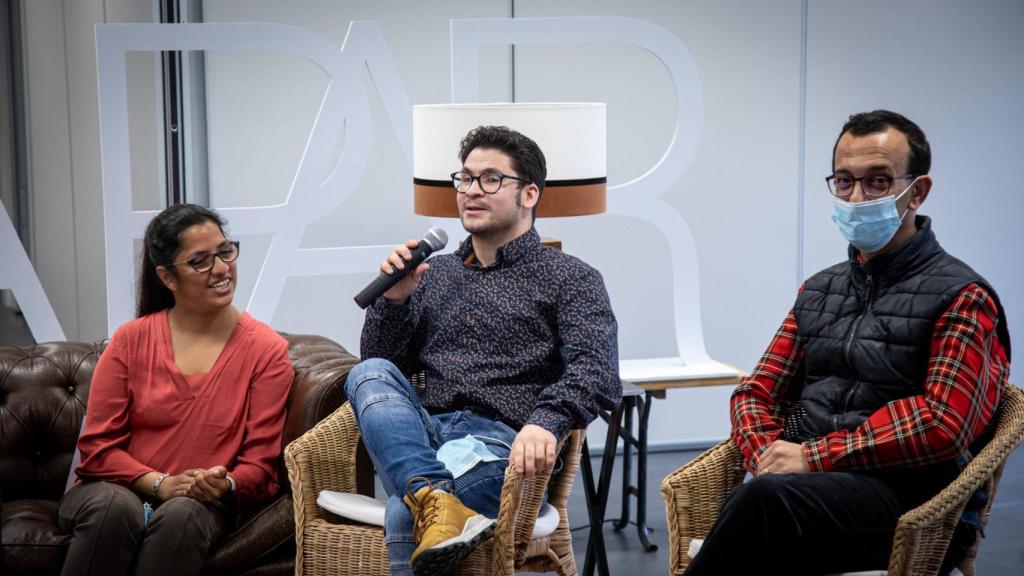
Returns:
(227, 252)
(489, 182)
(875, 185)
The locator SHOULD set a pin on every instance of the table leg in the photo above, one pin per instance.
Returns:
(598, 500)
(643, 531)
(595, 542)
(627, 460)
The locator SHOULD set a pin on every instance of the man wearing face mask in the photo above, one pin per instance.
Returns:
(880, 381)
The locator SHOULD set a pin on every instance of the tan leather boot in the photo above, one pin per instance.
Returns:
(445, 530)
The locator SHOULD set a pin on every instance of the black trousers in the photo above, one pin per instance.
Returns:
(814, 523)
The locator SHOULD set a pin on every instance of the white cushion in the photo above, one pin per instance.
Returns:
(371, 511)
(695, 545)
(547, 521)
(353, 506)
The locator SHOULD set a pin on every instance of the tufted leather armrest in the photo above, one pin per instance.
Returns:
(321, 367)
(43, 394)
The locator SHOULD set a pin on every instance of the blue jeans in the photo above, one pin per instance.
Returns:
(402, 439)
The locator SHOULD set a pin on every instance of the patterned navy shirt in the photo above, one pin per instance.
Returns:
(531, 339)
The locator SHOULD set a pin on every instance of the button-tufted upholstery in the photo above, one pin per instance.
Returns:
(44, 390)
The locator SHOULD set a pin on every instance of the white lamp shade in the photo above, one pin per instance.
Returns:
(571, 135)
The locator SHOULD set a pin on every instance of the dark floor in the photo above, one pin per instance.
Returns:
(1002, 551)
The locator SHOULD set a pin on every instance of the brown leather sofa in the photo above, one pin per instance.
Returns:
(43, 394)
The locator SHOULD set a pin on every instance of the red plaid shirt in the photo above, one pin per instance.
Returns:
(966, 372)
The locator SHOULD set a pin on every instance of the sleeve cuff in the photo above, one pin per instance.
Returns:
(393, 312)
(551, 422)
(817, 456)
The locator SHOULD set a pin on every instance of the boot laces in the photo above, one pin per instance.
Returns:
(425, 509)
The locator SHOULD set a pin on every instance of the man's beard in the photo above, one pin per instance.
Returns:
(495, 228)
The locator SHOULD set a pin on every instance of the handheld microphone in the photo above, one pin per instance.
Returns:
(435, 239)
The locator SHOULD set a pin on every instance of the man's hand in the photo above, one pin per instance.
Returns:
(209, 485)
(401, 291)
(782, 457)
(533, 450)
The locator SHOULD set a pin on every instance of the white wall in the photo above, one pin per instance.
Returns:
(66, 208)
(957, 69)
(753, 196)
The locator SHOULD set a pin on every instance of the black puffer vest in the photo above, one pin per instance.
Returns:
(866, 330)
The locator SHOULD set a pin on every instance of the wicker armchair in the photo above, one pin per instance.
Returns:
(325, 459)
(695, 493)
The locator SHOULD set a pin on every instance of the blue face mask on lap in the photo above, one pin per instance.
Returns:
(462, 454)
(869, 225)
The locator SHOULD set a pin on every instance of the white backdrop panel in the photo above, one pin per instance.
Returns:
(739, 195)
(740, 191)
(957, 70)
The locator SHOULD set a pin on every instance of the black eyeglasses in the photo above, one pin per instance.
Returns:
(227, 252)
(489, 182)
(842, 185)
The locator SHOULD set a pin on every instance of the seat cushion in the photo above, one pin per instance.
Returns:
(371, 511)
(356, 507)
(32, 542)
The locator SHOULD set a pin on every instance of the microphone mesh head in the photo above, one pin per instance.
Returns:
(436, 238)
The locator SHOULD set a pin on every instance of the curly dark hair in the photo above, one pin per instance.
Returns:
(919, 161)
(527, 159)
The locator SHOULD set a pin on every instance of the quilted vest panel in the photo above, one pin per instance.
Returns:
(866, 329)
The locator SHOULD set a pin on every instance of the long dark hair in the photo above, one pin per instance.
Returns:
(160, 246)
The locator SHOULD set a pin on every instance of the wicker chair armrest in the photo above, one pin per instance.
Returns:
(560, 486)
(322, 459)
(694, 496)
(503, 552)
(923, 534)
(521, 500)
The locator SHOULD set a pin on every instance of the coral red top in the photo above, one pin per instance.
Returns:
(144, 415)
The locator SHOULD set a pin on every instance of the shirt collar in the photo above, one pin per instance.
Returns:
(513, 251)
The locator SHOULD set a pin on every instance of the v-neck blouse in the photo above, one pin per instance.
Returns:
(192, 385)
(145, 415)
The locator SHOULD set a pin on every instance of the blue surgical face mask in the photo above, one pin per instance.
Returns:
(870, 225)
(462, 454)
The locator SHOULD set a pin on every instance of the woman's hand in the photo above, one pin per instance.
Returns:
(209, 485)
(170, 486)
(173, 486)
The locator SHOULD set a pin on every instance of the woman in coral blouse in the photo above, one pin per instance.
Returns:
(186, 412)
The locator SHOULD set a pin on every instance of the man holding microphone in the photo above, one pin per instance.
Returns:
(516, 344)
